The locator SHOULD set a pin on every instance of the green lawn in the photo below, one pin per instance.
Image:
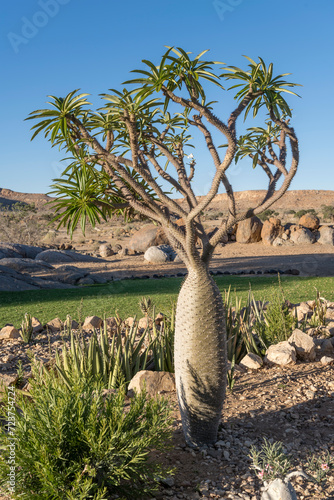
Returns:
(124, 296)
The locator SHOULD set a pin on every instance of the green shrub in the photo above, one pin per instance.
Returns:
(27, 328)
(328, 212)
(239, 327)
(300, 213)
(278, 322)
(73, 443)
(267, 214)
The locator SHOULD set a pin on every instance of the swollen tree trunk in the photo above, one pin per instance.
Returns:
(200, 356)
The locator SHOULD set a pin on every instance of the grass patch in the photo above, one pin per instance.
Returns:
(124, 296)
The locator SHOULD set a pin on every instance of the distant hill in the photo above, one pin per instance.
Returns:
(291, 200)
(9, 197)
(296, 199)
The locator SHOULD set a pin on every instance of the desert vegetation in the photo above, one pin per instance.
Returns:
(117, 154)
(85, 425)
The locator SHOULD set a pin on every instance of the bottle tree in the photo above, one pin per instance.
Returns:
(140, 138)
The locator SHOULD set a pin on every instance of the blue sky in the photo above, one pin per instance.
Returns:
(55, 46)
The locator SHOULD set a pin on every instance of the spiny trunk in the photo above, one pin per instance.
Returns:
(200, 356)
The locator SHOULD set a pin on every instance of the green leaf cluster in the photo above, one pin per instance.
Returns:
(267, 89)
(115, 150)
(77, 443)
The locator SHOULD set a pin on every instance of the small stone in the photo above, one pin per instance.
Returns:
(304, 345)
(326, 360)
(8, 380)
(251, 361)
(55, 325)
(168, 481)
(8, 332)
(154, 382)
(282, 353)
(92, 322)
(106, 250)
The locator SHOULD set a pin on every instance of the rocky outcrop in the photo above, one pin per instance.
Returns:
(13, 281)
(15, 250)
(64, 256)
(26, 265)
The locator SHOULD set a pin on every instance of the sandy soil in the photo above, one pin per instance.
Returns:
(310, 260)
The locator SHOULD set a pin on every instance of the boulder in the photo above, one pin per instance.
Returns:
(303, 344)
(326, 235)
(309, 221)
(271, 229)
(55, 256)
(169, 251)
(86, 280)
(106, 250)
(282, 354)
(330, 328)
(155, 255)
(249, 230)
(92, 322)
(302, 236)
(251, 361)
(8, 332)
(155, 382)
(148, 236)
(159, 318)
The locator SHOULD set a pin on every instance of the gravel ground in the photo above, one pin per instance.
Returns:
(294, 405)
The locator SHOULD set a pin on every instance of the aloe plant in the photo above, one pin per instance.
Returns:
(114, 362)
(239, 326)
(27, 328)
(162, 343)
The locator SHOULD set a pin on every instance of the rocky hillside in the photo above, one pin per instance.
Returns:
(8, 197)
(295, 199)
